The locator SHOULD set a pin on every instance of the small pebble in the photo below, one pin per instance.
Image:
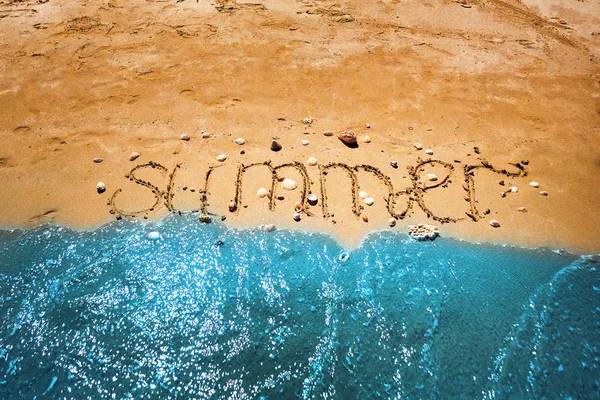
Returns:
(328, 133)
(312, 161)
(494, 223)
(368, 126)
(418, 146)
(289, 184)
(366, 139)
(534, 184)
(394, 164)
(513, 189)
(232, 206)
(312, 199)
(101, 187)
(97, 160)
(305, 142)
(296, 216)
(242, 152)
(240, 141)
(192, 189)
(205, 135)
(363, 195)
(153, 235)
(392, 222)
(522, 209)
(221, 157)
(185, 137)
(262, 193)
(369, 201)
(432, 177)
(544, 193)
(429, 152)
(275, 146)
(365, 218)
(280, 197)
(134, 156)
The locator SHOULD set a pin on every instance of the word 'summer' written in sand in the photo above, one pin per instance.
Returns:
(400, 202)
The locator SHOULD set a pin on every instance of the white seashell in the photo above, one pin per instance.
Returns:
(221, 157)
(369, 201)
(513, 189)
(232, 206)
(240, 141)
(289, 184)
(432, 177)
(312, 161)
(305, 142)
(418, 146)
(153, 235)
(363, 195)
(534, 184)
(312, 199)
(429, 152)
(101, 187)
(366, 139)
(495, 223)
(134, 156)
(262, 193)
(296, 216)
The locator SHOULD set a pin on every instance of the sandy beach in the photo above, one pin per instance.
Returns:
(503, 93)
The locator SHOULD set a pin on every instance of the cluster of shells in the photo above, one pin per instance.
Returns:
(423, 232)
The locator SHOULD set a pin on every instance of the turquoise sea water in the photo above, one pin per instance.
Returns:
(209, 312)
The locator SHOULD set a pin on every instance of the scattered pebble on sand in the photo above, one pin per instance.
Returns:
(312, 161)
(296, 216)
(392, 222)
(98, 160)
(232, 206)
(432, 177)
(365, 218)
(185, 137)
(101, 187)
(363, 195)
(134, 156)
(280, 197)
(205, 135)
(544, 193)
(369, 201)
(418, 146)
(308, 121)
(429, 152)
(262, 193)
(328, 133)
(368, 126)
(513, 189)
(522, 209)
(221, 157)
(534, 184)
(394, 164)
(305, 142)
(240, 141)
(367, 139)
(348, 138)
(275, 146)
(494, 223)
(289, 184)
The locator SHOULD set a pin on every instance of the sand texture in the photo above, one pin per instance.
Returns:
(503, 93)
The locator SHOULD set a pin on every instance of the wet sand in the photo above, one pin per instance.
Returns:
(483, 83)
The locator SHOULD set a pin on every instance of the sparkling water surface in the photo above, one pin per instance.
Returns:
(211, 312)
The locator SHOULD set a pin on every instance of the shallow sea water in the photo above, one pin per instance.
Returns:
(210, 312)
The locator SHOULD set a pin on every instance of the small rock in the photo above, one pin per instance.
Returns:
(544, 193)
(242, 152)
(312, 199)
(312, 161)
(363, 195)
(221, 157)
(429, 152)
(289, 184)
(153, 235)
(476, 150)
(98, 160)
(328, 133)
(101, 187)
(262, 193)
(494, 223)
(296, 216)
(192, 189)
(134, 156)
(366, 139)
(240, 141)
(205, 219)
(232, 206)
(432, 177)
(513, 189)
(185, 137)
(534, 184)
(501, 183)
(205, 135)
(308, 121)
(305, 142)
(268, 228)
(522, 209)
(369, 201)
(392, 222)
(365, 218)
(348, 138)
(368, 126)
(394, 164)
(275, 146)
(418, 146)
(280, 197)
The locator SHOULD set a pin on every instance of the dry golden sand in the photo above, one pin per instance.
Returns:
(517, 79)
